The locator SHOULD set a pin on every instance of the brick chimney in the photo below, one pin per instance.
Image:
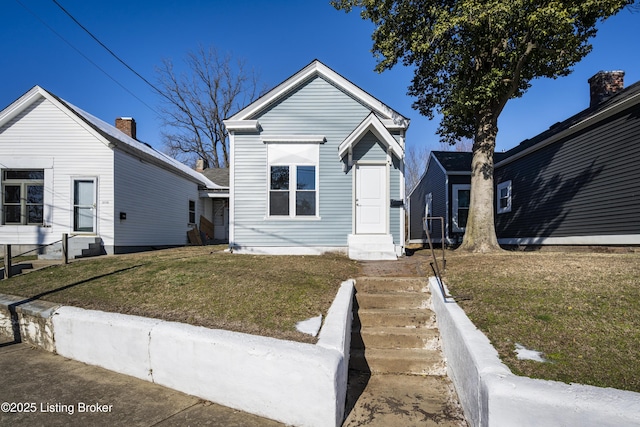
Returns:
(604, 85)
(200, 165)
(126, 125)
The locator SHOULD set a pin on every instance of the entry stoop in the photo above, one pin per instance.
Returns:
(371, 247)
(396, 355)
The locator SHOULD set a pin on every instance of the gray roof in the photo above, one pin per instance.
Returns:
(126, 143)
(623, 95)
(461, 162)
(219, 176)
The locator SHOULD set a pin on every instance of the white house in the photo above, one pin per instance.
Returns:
(65, 171)
(317, 164)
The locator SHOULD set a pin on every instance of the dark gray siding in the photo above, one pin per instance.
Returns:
(454, 180)
(433, 181)
(585, 185)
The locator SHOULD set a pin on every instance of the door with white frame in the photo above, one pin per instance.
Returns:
(371, 199)
(84, 205)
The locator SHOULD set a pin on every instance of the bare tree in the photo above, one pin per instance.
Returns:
(195, 102)
(463, 145)
(415, 162)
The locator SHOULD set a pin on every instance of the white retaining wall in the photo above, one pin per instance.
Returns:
(294, 383)
(493, 396)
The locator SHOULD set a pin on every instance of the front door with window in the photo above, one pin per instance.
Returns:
(84, 205)
(371, 197)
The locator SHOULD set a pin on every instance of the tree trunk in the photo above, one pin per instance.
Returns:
(480, 232)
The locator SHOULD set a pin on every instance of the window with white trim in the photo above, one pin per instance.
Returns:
(428, 210)
(23, 196)
(293, 180)
(503, 198)
(192, 212)
(461, 201)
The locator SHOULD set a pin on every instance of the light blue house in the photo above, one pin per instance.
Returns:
(317, 165)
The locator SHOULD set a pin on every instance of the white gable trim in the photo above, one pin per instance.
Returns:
(242, 125)
(316, 68)
(124, 142)
(280, 139)
(373, 124)
(32, 96)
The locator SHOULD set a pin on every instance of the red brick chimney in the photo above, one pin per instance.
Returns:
(126, 125)
(604, 85)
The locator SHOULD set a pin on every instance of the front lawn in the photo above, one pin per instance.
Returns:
(581, 310)
(261, 295)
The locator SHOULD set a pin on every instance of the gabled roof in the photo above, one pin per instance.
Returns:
(618, 102)
(245, 118)
(370, 124)
(459, 161)
(454, 161)
(105, 133)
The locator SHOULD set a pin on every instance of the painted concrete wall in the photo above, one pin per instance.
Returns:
(492, 396)
(295, 383)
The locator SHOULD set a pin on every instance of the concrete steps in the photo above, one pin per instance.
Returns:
(397, 374)
(394, 331)
(371, 247)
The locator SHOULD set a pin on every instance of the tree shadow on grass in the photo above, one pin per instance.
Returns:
(13, 312)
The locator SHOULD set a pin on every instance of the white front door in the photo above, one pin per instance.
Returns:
(371, 197)
(84, 205)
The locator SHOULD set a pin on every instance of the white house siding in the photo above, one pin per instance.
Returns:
(43, 134)
(317, 108)
(156, 204)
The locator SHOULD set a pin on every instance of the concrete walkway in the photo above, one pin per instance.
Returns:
(397, 372)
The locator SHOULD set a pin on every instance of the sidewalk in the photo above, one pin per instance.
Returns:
(63, 392)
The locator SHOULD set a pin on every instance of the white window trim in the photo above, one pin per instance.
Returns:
(195, 212)
(454, 213)
(272, 143)
(94, 179)
(24, 183)
(292, 193)
(502, 185)
(428, 210)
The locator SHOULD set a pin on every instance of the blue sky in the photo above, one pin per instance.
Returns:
(276, 38)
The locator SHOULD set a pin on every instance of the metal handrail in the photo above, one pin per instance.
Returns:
(7, 262)
(40, 247)
(434, 264)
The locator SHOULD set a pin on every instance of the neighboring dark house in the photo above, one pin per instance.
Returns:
(578, 183)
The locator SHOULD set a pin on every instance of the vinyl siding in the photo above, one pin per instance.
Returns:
(42, 132)
(454, 180)
(156, 203)
(395, 193)
(370, 149)
(586, 184)
(316, 108)
(433, 181)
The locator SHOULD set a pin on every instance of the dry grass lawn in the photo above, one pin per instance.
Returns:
(262, 295)
(581, 310)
